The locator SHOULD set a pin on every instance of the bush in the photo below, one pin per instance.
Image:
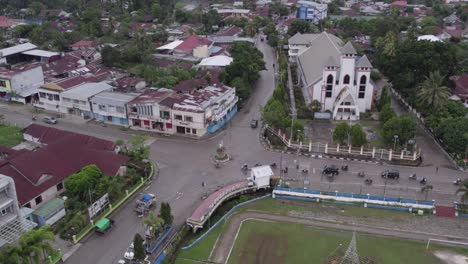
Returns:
(386, 113)
(341, 133)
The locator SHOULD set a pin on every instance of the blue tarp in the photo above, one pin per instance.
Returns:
(147, 197)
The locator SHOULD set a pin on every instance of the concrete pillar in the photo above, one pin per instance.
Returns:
(390, 154)
(126, 191)
(300, 144)
(74, 239)
(349, 149)
(373, 152)
(310, 146)
(110, 206)
(402, 154)
(414, 155)
(362, 150)
(326, 148)
(289, 143)
(338, 148)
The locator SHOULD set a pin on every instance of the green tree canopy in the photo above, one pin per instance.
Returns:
(140, 252)
(166, 214)
(81, 183)
(454, 133)
(404, 127)
(358, 136)
(341, 133)
(302, 27)
(386, 113)
(432, 93)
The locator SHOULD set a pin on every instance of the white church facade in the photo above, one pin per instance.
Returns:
(332, 73)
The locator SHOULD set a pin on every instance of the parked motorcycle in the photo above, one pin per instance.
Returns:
(273, 165)
(285, 170)
(423, 180)
(344, 167)
(217, 165)
(34, 118)
(244, 167)
(368, 181)
(457, 181)
(305, 171)
(361, 174)
(412, 176)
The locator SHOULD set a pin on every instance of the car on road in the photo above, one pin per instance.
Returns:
(103, 225)
(390, 174)
(331, 170)
(254, 123)
(49, 120)
(130, 253)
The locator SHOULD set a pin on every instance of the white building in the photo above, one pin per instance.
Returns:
(21, 83)
(76, 100)
(260, 176)
(298, 43)
(332, 73)
(111, 107)
(12, 224)
(311, 11)
(196, 113)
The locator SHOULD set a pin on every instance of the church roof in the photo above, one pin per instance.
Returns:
(302, 39)
(348, 49)
(331, 61)
(364, 62)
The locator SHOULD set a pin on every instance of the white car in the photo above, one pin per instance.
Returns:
(130, 253)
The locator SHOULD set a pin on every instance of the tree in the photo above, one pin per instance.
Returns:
(250, 29)
(153, 224)
(454, 133)
(165, 213)
(315, 106)
(358, 136)
(111, 57)
(404, 127)
(386, 113)
(388, 44)
(426, 189)
(341, 133)
(385, 98)
(301, 26)
(156, 10)
(429, 25)
(36, 7)
(139, 249)
(82, 183)
(432, 93)
(138, 150)
(11, 254)
(463, 190)
(36, 245)
(211, 20)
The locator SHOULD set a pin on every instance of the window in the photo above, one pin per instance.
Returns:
(38, 200)
(66, 100)
(83, 102)
(194, 131)
(346, 79)
(187, 130)
(188, 118)
(60, 186)
(329, 89)
(178, 117)
(4, 212)
(102, 107)
(76, 101)
(41, 94)
(28, 205)
(120, 109)
(164, 114)
(362, 87)
(2, 83)
(56, 97)
(134, 109)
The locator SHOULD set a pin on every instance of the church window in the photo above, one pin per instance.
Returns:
(328, 92)
(362, 87)
(346, 79)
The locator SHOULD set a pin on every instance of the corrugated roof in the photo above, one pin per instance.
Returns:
(87, 89)
(41, 53)
(17, 49)
(51, 207)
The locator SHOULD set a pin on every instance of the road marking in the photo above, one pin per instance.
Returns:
(179, 195)
(313, 170)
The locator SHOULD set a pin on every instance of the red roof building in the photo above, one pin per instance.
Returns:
(193, 42)
(6, 22)
(84, 45)
(39, 174)
(461, 87)
(399, 4)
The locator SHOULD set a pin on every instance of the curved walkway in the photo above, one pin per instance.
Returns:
(225, 242)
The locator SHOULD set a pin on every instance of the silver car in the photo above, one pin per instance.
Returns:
(49, 120)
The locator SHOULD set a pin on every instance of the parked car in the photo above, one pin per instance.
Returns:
(103, 225)
(130, 253)
(331, 169)
(390, 174)
(254, 123)
(49, 120)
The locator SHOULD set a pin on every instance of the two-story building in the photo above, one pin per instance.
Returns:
(311, 11)
(333, 74)
(20, 83)
(111, 107)
(76, 100)
(300, 42)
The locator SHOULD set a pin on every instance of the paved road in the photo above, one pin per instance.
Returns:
(225, 243)
(185, 163)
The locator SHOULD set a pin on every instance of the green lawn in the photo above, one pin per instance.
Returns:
(273, 242)
(282, 207)
(203, 249)
(10, 136)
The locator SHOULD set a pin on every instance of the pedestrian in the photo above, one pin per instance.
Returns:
(203, 184)
(437, 169)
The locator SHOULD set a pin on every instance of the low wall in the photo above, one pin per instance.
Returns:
(161, 240)
(355, 198)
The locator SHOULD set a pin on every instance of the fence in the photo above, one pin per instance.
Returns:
(339, 150)
(161, 240)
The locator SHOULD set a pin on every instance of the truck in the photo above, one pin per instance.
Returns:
(103, 225)
(144, 204)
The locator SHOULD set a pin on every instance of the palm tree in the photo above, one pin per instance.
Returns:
(388, 44)
(464, 192)
(154, 223)
(431, 91)
(11, 254)
(250, 29)
(36, 244)
(425, 189)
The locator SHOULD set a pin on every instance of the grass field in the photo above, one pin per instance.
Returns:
(10, 136)
(274, 242)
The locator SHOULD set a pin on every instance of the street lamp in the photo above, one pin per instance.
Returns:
(395, 139)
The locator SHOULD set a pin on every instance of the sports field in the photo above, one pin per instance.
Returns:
(276, 242)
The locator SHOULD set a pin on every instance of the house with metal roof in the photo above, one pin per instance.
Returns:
(332, 73)
(20, 83)
(76, 100)
(12, 55)
(111, 107)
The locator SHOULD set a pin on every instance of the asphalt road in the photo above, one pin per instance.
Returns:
(185, 163)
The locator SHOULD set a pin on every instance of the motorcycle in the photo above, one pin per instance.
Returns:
(412, 176)
(457, 181)
(34, 118)
(305, 171)
(285, 170)
(217, 165)
(368, 181)
(244, 167)
(344, 167)
(423, 180)
(361, 174)
(273, 165)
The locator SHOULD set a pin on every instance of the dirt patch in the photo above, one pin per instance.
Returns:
(265, 246)
(449, 257)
